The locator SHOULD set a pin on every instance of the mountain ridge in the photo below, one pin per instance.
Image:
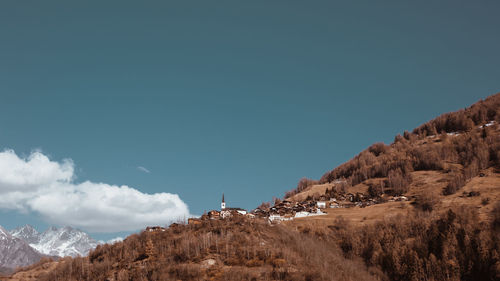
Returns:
(24, 245)
(62, 242)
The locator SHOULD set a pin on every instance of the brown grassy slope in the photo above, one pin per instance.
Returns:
(467, 153)
(33, 272)
(454, 245)
(424, 182)
(449, 150)
(489, 194)
(236, 249)
(459, 239)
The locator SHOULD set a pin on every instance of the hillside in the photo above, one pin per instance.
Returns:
(481, 193)
(426, 207)
(231, 249)
(414, 246)
(453, 159)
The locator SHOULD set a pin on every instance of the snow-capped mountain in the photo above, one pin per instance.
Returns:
(15, 252)
(27, 233)
(65, 241)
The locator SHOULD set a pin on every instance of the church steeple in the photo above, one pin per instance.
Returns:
(223, 203)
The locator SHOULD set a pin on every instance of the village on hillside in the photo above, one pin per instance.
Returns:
(286, 210)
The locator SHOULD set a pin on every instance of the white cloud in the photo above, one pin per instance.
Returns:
(37, 184)
(114, 240)
(141, 168)
(111, 241)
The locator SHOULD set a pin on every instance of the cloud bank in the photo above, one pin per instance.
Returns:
(37, 184)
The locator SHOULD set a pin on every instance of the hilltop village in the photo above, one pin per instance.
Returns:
(286, 210)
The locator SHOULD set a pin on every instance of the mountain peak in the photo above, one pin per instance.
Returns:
(25, 228)
(15, 252)
(27, 233)
(64, 241)
(3, 232)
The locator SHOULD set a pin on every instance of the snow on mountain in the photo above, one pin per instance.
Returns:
(65, 241)
(27, 233)
(15, 252)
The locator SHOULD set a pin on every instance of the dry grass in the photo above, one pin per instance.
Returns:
(429, 183)
(33, 272)
(311, 191)
(319, 189)
(355, 215)
(488, 187)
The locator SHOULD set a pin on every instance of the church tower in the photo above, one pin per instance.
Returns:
(223, 203)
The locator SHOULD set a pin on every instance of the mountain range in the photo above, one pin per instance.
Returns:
(61, 242)
(25, 245)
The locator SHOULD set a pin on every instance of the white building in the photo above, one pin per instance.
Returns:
(226, 212)
(321, 204)
(223, 203)
(278, 218)
(303, 214)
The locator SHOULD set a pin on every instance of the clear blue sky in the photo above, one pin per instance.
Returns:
(240, 97)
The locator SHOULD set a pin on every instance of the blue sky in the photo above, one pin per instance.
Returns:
(240, 97)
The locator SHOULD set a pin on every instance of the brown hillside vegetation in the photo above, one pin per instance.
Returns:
(419, 245)
(232, 249)
(422, 246)
(451, 162)
(481, 192)
(459, 144)
(447, 228)
(33, 272)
